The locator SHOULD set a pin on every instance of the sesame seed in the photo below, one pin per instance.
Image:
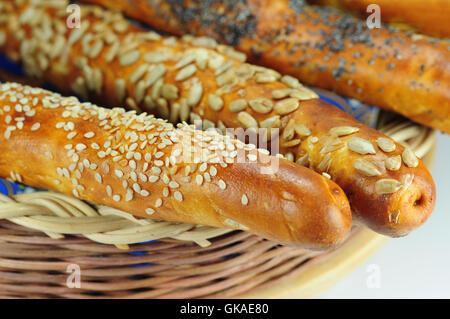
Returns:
(108, 190)
(137, 188)
(244, 200)
(173, 184)
(89, 135)
(150, 211)
(98, 177)
(199, 179)
(80, 147)
(222, 184)
(118, 173)
(178, 196)
(158, 202)
(35, 126)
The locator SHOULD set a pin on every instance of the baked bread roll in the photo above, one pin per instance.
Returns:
(398, 71)
(144, 166)
(109, 61)
(428, 17)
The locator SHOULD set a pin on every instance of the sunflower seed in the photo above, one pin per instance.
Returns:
(361, 146)
(195, 94)
(156, 89)
(129, 57)
(407, 180)
(288, 132)
(238, 105)
(226, 78)
(291, 81)
(387, 186)
(331, 145)
(291, 143)
(188, 59)
(303, 94)
(215, 102)
(325, 163)
(303, 160)
(386, 144)
(138, 73)
(409, 158)
(281, 93)
(244, 200)
(286, 106)
(208, 124)
(246, 120)
(289, 156)
(169, 91)
(139, 91)
(261, 105)
(273, 121)
(365, 167)
(302, 130)
(120, 86)
(155, 74)
(184, 110)
(343, 130)
(186, 72)
(393, 163)
(224, 67)
(174, 112)
(265, 78)
(156, 57)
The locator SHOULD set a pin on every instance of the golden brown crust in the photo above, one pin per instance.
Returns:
(394, 70)
(102, 155)
(427, 17)
(225, 92)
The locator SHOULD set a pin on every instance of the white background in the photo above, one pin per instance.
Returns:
(416, 266)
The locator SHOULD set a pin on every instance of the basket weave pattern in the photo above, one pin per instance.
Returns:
(42, 233)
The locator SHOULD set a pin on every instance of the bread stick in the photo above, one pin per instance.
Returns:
(427, 17)
(398, 71)
(146, 167)
(180, 81)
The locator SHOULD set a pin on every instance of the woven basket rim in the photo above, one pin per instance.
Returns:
(197, 262)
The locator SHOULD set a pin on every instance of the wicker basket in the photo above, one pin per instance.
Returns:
(41, 234)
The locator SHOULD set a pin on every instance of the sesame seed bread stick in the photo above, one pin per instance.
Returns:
(402, 72)
(145, 166)
(187, 82)
(428, 17)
